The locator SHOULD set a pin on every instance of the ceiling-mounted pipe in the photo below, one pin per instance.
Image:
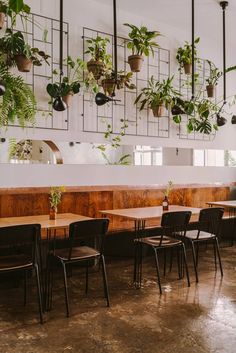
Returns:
(193, 51)
(58, 103)
(224, 5)
(221, 120)
(115, 39)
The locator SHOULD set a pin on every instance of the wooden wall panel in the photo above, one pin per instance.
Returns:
(89, 201)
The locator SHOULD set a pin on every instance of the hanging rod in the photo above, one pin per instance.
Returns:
(193, 56)
(224, 5)
(115, 39)
(61, 40)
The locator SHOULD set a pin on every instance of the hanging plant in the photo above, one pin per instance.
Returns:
(14, 50)
(12, 8)
(184, 56)
(158, 96)
(110, 82)
(78, 77)
(141, 42)
(202, 115)
(214, 77)
(18, 104)
(97, 48)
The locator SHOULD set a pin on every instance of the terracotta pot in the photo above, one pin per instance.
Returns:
(210, 91)
(68, 99)
(187, 69)
(135, 62)
(23, 63)
(53, 213)
(108, 86)
(2, 19)
(96, 67)
(158, 111)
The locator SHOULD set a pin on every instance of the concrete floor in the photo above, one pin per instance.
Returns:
(199, 319)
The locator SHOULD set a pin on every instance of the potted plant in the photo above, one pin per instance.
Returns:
(55, 196)
(109, 83)
(158, 96)
(201, 113)
(3, 11)
(78, 78)
(213, 79)
(97, 48)
(18, 103)
(12, 8)
(15, 50)
(184, 56)
(141, 42)
(165, 202)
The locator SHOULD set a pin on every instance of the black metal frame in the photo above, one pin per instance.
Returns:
(31, 77)
(151, 123)
(203, 71)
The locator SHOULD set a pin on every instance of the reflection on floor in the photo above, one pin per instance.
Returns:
(199, 319)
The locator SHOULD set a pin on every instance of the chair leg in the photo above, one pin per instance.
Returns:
(178, 263)
(158, 271)
(105, 280)
(218, 253)
(135, 262)
(39, 293)
(25, 287)
(164, 269)
(86, 278)
(214, 248)
(171, 260)
(197, 254)
(66, 289)
(194, 260)
(186, 264)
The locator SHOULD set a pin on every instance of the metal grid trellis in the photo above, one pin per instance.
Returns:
(96, 119)
(39, 77)
(203, 71)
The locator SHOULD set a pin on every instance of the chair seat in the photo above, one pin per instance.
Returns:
(79, 253)
(192, 234)
(155, 241)
(14, 262)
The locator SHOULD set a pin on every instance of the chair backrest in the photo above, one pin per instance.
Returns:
(92, 229)
(209, 219)
(174, 223)
(20, 239)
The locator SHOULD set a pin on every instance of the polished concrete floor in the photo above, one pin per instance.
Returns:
(199, 319)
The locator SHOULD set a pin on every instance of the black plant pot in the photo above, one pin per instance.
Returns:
(2, 89)
(220, 120)
(59, 105)
(102, 99)
(176, 110)
(233, 120)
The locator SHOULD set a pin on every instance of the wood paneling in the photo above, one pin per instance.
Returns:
(88, 201)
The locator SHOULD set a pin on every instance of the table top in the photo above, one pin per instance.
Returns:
(230, 204)
(62, 220)
(145, 213)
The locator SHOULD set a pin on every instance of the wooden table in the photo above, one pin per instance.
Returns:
(62, 221)
(231, 205)
(141, 214)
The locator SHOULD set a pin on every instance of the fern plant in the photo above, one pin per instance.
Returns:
(18, 104)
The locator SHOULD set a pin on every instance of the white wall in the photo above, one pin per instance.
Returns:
(98, 15)
(74, 175)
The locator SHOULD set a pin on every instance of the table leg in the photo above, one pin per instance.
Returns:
(139, 226)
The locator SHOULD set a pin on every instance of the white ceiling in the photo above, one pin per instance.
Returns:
(178, 12)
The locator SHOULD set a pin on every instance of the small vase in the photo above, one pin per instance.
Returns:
(165, 204)
(53, 213)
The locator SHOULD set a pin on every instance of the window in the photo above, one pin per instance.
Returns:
(147, 155)
(209, 158)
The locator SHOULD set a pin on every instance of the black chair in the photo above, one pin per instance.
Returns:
(172, 223)
(19, 251)
(207, 230)
(76, 252)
